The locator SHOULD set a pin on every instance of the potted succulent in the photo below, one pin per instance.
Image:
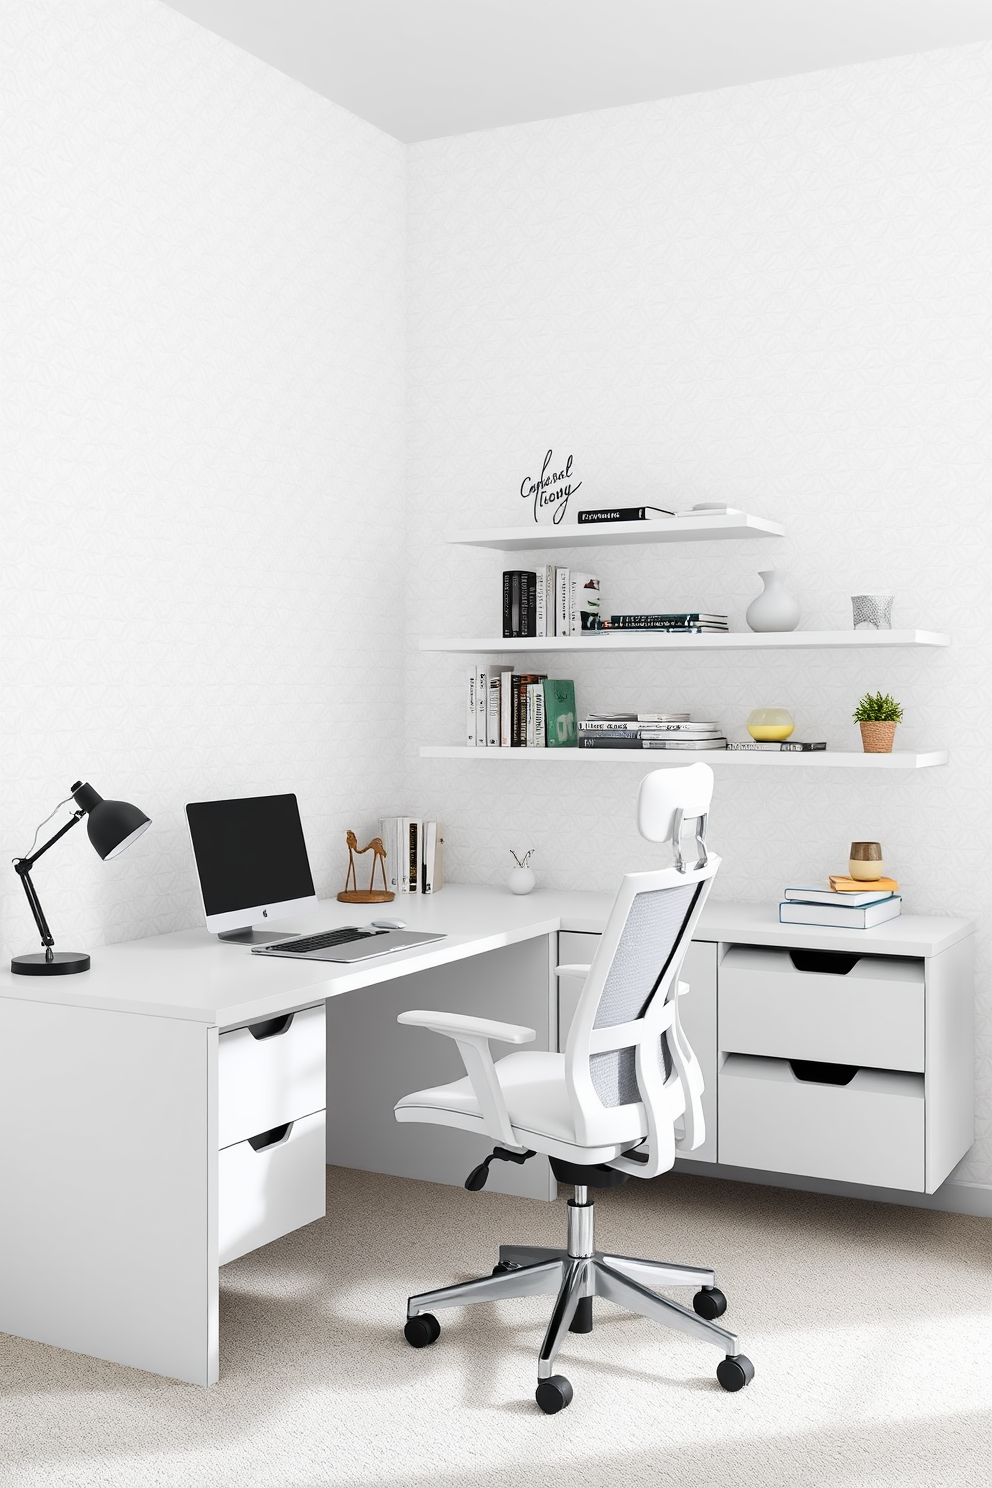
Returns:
(877, 716)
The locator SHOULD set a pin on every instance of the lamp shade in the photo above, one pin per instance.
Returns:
(111, 825)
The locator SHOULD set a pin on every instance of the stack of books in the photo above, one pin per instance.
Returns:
(519, 710)
(414, 854)
(677, 622)
(648, 731)
(551, 601)
(861, 908)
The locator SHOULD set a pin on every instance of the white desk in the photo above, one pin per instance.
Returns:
(109, 1090)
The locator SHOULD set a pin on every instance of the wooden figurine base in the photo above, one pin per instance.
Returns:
(365, 896)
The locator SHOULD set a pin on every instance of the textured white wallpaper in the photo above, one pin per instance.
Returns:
(776, 295)
(202, 522)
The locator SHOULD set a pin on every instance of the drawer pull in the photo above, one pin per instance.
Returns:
(816, 1072)
(271, 1027)
(270, 1138)
(831, 963)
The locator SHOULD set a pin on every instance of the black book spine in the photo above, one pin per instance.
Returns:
(515, 711)
(515, 603)
(528, 605)
(614, 514)
(507, 603)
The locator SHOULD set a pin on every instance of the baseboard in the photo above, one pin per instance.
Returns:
(952, 1197)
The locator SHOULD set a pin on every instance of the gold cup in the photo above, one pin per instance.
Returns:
(865, 862)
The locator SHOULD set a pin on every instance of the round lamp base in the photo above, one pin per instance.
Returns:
(64, 963)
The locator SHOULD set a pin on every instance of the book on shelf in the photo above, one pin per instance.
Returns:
(505, 709)
(481, 706)
(414, 854)
(841, 916)
(520, 600)
(583, 602)
(535, 734)
(520, 682)
(639, 718)
(781, 746)
(645, 726)
(562, 611)
(493, 711)
(471, 708)
(623, 514)
(817, 894)
(614, 741)
(675, 620)
(559, 708)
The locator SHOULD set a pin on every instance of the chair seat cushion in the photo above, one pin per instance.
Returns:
(533, 1086)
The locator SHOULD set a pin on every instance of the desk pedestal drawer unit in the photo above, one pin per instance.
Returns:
(271, 1095)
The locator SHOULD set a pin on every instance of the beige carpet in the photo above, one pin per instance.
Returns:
(868, 1326)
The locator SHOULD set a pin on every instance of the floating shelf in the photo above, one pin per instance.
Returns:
(617, 534)
(608, 642)
(827, 759)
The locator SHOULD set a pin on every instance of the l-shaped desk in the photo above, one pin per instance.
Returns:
(164, 1113)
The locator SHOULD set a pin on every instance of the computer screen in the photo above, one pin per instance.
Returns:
(251, 858)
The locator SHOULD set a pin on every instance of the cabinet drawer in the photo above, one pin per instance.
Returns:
(872, 1016)
(870, 1131)
(269, 1073)
(266, 1193)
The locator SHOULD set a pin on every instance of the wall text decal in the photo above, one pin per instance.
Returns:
(550, 492)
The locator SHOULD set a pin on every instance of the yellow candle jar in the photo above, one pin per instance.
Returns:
(770, 725)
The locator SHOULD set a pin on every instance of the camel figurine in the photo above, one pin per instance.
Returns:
(351, 893)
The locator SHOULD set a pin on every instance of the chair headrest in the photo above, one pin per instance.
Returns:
(688, 788)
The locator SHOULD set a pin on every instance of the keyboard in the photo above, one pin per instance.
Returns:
(328, 938)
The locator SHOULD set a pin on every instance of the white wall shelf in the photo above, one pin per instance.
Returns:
(826, 759)
(607, 642)
(616, 534)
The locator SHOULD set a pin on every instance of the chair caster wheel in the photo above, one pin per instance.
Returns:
(734, 1373)
(553, 1394)
(710, 1303)
(422, 1330)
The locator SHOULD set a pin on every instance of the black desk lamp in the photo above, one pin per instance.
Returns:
(112, 826)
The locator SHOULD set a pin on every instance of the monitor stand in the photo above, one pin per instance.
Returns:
(256, 937)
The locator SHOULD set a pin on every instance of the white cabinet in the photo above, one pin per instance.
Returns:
(271, 1095)
(270, 1185)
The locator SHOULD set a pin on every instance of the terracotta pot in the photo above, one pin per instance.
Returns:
(876, 738)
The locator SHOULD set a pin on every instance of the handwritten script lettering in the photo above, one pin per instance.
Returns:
(550, 492)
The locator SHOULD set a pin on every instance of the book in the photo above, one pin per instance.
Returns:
(390, 833)
(528, 603)
(841, 916)
(817, 894)
(519, 603)
(624, 514)
(786, 746)
(703, 628)
(414, 826)
(561, 602)
(844, 885)
(518, 711)
(471, 709)
(432, 875)
(505, 708)
(493, 711)
(630, 725)
(583, 601)
(639, 717)
(615, 741)
(481, 705)
(559, 707)
(673, 620)
(545, 611)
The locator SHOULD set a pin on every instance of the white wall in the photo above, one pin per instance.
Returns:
(775, 295)
(202, 523)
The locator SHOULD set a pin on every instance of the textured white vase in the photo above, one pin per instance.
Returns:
(521, 880)
(774, 609)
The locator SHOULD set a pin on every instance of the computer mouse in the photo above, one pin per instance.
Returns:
(389, 924)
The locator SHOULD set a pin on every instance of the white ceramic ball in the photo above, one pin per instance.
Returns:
(521, 880)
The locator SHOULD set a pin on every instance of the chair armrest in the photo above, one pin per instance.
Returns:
(472, 1036)
(460, 1026)
(573, 969)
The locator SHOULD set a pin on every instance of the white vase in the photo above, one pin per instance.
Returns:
(773, 609)
(521, 880)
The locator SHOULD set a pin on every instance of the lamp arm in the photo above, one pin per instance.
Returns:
(23, 866)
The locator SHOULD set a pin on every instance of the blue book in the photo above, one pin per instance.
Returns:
(840, 916)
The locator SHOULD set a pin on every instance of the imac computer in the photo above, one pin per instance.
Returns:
(252, 862)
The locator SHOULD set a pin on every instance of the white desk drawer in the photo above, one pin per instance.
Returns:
(870, 1131)
(269, 1073)
(265, 1194)
(872, 1016)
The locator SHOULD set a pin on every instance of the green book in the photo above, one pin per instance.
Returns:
(559, 711)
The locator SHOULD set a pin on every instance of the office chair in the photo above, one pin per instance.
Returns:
(621, 1099)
